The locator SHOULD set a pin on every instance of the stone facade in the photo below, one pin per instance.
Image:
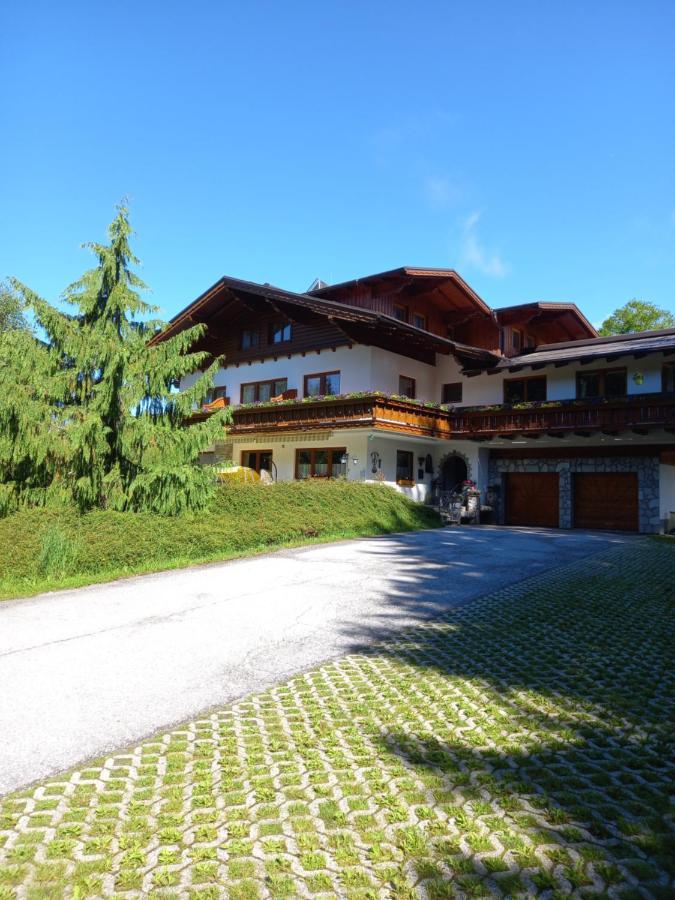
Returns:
(646, 467)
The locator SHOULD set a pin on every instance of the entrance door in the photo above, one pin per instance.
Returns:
(453, 473)
(606, 500)
(532, 499)
(259, 460)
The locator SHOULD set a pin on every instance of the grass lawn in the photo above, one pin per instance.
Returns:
(45, 549)
(520, 746)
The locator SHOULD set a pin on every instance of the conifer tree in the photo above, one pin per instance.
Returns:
(107, 426)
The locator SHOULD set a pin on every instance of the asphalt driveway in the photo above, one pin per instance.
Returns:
(86, 671)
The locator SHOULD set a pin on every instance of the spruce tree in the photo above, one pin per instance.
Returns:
(108, 427)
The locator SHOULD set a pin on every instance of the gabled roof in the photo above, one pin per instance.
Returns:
(541, 310)
(429, 277)
(357, 323)
(609, 348)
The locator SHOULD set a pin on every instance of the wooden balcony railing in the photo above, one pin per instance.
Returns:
(639, 412)
(636, 412)
(348, 412)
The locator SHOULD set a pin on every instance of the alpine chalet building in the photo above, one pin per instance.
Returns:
(409, 378)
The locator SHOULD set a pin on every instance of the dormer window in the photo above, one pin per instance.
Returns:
(400, 312)
(250, 339)
(516, 340)
(420, 321)
(280, 332)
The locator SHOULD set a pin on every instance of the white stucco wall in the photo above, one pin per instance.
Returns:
(371, 368)
(354, 365)
(284, 446)
(386, 368)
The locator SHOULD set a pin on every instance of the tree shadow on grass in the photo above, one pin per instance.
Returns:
(542, 719)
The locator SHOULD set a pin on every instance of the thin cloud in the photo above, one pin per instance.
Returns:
(473, 254)
(441, 192)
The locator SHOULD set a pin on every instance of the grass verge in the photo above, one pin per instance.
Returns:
(48, 549)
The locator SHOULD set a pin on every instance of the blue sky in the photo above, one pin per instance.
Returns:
(529, 145)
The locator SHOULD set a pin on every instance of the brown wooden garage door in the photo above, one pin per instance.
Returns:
(532, 499)
(608, 501)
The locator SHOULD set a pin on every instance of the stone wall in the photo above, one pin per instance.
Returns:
(647, 468)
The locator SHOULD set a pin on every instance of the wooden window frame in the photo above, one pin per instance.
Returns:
(313, 451)
(280, 326)
(257, 454)
(256, 385)
(414, 385)
(422, 316)
(323, 376)
(602, 376)
(526, 379)
(667, 367)
(218, 390)
(250, 346)
(454, 384)
(406, 481)
(405, 310)
(521, 337)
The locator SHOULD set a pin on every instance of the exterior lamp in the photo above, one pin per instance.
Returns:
(638, 378)
(344, 458)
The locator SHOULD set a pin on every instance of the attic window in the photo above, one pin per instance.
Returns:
(401, 313)
(280, 332)
(250, 339)
(516, 339)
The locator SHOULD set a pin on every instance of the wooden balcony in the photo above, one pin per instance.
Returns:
(370, 411)
(638, 413)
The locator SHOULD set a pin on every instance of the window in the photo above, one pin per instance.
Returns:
(529, 342)
(404, 465)
(259, 460)
(524, 390)
(250, 339)
(322, 384)
(401, 313)
(420, 321)
(601, 383)
(321, 463)
(668, 378)
(215, 393)
(280, 332)
(452, 393)
(516, 339)
(261, 391)
(406, 386)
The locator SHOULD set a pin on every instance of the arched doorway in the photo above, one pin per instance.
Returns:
(453, 472)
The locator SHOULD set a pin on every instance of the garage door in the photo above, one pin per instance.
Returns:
(608, 501)
(532, 499)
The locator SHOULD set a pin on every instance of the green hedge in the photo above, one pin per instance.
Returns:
(45, 548)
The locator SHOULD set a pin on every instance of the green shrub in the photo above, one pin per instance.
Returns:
(58, 554)
(41, 547)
